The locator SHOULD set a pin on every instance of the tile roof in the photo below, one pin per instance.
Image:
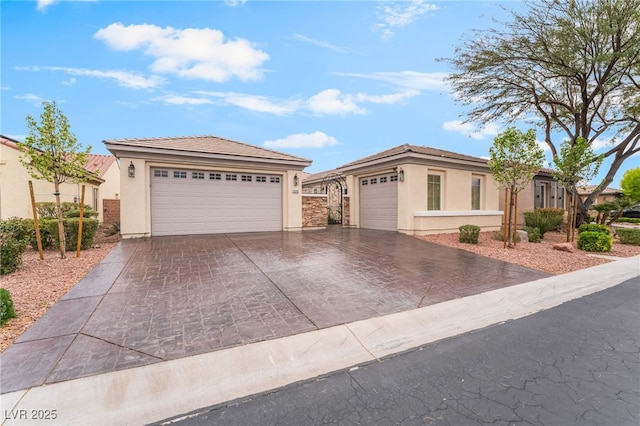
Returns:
(206, 144)
(588, 189)
(318, 177)
(5, 140)
(408, 149)
(99, 163)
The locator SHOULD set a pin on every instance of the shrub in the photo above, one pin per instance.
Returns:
(499, 235)
(533, 234)
(11, 250)
(628, 220)
(46, 209)
(49, 227)
(7, 311)
(629, 236)
(76, 213)
(593, 227)
(544, 219)
(19, 229)
(469, 234)
(594, 241)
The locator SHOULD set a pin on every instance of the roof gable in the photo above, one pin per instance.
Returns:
(407, 150)
(99, 164)
(202, 144)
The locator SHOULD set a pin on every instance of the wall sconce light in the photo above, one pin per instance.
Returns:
(132, 170)
(400, 174)
(295, 180)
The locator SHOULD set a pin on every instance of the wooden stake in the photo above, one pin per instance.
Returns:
(35, 221)
(505, 226)
(79, 246)
(575, 218)
(515, 220)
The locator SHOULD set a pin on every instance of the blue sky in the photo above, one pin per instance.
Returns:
(331, 81)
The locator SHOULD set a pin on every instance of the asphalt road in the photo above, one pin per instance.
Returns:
(575, 364)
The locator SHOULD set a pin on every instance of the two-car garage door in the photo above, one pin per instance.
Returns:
(379, 202)
(207, 202)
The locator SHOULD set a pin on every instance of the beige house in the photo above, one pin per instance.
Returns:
(204, 185)
(606, 196)
(15, 199)
(421, 190)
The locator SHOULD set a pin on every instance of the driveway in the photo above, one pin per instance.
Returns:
(164, 298)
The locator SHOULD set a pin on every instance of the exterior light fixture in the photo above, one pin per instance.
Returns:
(132, 170)
(295, 180)
(400, 174)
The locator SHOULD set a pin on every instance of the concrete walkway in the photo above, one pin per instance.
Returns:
(158, 391)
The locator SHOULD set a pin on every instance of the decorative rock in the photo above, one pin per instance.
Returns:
(523, 237)
(568, 247)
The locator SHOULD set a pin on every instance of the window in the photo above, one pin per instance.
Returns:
(383, 179)
(476, 183)
(393, 178)
(434, 189)
(231, 177)
(160, 173)
(374, 181)
(177, 174)
(541, 195)
(215, 176)
(365, 182)
(261, 178)
(274, 179)
(197, 175)
(246, 178)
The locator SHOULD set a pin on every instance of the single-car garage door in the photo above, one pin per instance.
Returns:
(379, 202)
(187, 202)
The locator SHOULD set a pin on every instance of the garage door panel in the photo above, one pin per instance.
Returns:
(379, 202)
(204, 206)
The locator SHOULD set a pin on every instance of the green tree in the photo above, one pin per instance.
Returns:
(576, 162)
(52, 153)
(569, 66)
(515, 159)
(630, 184)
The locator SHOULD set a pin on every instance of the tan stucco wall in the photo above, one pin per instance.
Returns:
(135, 207)
(15, 200)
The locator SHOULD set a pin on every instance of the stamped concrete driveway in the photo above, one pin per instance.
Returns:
(164, 298)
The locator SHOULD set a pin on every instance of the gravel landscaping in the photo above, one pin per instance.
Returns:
(38, 284)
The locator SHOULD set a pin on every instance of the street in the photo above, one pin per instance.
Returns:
(575, 364)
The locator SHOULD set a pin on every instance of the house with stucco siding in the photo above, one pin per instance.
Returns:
(15, 198)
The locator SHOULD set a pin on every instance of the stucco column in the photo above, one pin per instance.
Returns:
(135, 215)
(292, 200)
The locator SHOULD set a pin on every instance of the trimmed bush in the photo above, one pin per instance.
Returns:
(469, 234)
(544, 219)
(86, 214)
(594, 241)
(46, 209)
(629, 236)
(11, 251)
(7, 311)
(49, 233)
(628, 220)
(533, 234)
(594, 227)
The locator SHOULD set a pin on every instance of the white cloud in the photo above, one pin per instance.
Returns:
(397, 14)
(331, 101)
(387, 99)
(234, 3)
(192, 53)
(255, 102)
(184, 100)
(303, 140)
(5, 88)
(44, 4)
(471, 130)
(123, 78)
(411, 80)
(30, 97)
(543, 146)
(71, 82)
(319, 43)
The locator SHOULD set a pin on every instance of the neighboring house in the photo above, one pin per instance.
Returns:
(421, 190)
(606, 196)
(542, 192)
(15, 199)
(204, 185)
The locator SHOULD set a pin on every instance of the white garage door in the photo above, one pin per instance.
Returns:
(379, 202)
(187, 202)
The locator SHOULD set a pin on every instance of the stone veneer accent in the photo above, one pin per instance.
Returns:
(314, 210)
(111, 211)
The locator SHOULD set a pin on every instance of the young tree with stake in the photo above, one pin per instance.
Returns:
(51, 152)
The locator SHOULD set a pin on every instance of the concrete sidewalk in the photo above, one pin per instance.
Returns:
(159, 391)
